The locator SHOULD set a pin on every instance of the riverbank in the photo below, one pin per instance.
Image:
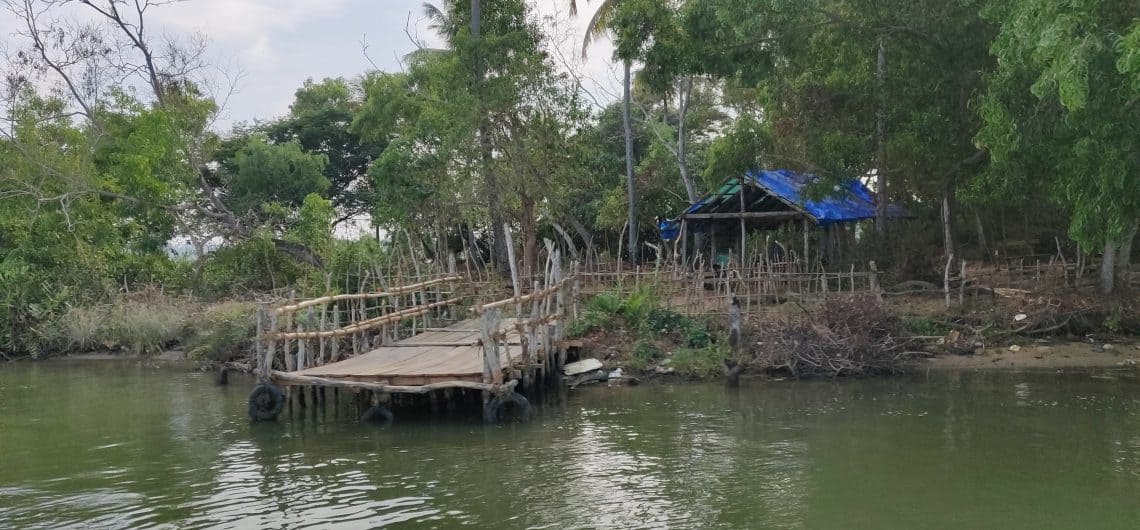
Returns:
(858, 335)
(1044, 355)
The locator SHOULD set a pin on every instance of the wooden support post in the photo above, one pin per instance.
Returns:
(287, 345)
(807, 241)
(321, 341)
(334, 346)
(492, 372)
(301, 350)
(262, 370)
(271, 344)
(743, 230)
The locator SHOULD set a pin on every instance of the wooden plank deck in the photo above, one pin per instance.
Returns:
(450, 354)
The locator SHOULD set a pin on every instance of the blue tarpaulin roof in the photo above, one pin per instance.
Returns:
(848, 202)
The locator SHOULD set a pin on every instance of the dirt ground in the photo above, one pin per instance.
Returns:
(1045, 355)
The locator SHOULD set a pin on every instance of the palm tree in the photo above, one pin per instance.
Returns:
(599, 25)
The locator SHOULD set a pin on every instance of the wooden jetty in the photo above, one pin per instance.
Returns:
(415, 339)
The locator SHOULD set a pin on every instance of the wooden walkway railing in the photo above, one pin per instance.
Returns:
(296, 335)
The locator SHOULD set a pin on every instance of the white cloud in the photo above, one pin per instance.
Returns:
(277, 44)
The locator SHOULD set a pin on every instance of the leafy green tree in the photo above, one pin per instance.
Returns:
(280, 173)
(1060, 113)
(319, 121)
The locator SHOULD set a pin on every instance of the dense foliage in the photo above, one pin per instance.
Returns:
(1015, 121)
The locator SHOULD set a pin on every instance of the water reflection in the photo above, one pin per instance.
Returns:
(136, 447)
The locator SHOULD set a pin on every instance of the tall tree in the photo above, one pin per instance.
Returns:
(1061, 112)
(601, 23)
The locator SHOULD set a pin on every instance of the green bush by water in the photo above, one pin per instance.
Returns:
(222, 332)
(139, 328)
(641, 314)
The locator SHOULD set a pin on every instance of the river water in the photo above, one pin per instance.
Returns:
(129, 444)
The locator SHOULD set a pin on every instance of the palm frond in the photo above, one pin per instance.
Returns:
(599, 23)
(437, 16)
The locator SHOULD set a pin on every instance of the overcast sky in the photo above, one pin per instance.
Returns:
(277, 44)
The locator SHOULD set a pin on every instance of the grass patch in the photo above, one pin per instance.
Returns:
(924, 327)
(700, 363)
(140, 328)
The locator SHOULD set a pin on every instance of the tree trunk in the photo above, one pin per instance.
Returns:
(1108, 267)
(1124, 257)
(627, 103)
(982, 237)
(683, 96)
(947, 225)
(490, 180)
(880, 142)
(530, 240)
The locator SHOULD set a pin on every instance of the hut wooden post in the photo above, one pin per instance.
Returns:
(743, 230)
(492, 372)
(807, 245)
(684, 242)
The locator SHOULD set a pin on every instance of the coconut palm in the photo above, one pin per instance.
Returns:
(599, 25)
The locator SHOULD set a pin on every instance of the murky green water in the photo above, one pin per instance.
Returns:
(128, 445)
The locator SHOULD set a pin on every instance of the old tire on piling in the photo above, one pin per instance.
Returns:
(495, 411)
(265, 402)
(377, 414)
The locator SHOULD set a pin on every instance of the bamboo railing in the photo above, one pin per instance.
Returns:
(299, 334)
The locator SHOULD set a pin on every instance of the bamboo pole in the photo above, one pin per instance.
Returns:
(392, 291)
(365, 325)
(308, 380)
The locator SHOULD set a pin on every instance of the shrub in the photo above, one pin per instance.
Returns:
(79, 328)
(143, 328)
(605, 303)
(700, 363)
(645, 353)
(222, 333)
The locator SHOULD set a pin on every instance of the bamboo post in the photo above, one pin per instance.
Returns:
(962, 286)
(492, 372)
(262, 369)
(321, 341)
(946, 278)
(271, 344)
(852, 278)
(807, 246)
(743, 230)
(287, 346)
(301, 343)
(874, 280)
(334, 345)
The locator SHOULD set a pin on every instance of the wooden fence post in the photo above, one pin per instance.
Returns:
(874, 279)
